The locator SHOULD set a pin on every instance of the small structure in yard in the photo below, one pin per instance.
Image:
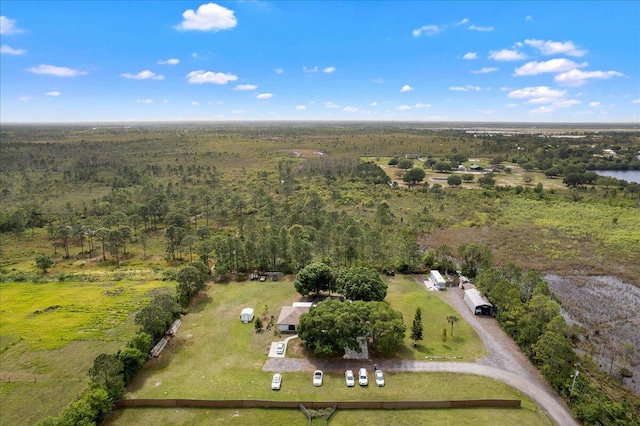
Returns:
(246, 315)
(157, 349)
(174, 327)
(477, 303)
(437, 279)
(290, 316)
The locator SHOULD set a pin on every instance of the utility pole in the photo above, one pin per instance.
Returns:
(575, 376)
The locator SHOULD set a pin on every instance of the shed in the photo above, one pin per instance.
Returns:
(437, 279)
(290, 317)
(478, 304)
(246, 315)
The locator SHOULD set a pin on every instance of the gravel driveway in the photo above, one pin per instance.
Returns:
(505, 362)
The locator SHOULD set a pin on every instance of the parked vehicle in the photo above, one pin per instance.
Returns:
(363, 377)
(280, 348)
(317, 378)
(379, 378)
(349, 378)
(276, 382)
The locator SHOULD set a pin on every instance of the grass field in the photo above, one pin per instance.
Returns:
(214, 356)
(51, 332)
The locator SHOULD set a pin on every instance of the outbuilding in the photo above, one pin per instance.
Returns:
(478, 304)
(437, 280)
(246, 315)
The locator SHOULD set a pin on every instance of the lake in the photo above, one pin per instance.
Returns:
(628, 175)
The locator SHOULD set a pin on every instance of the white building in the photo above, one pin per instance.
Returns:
(477, 303)
(246, 315)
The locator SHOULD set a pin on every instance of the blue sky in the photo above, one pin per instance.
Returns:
(74, 61)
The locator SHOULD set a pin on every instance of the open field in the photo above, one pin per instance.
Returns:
(52, 331)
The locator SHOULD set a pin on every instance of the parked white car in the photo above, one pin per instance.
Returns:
(317, 378)
(349, 378)
(363, 377)
(280, 348)
(379, 378)
(276, 382)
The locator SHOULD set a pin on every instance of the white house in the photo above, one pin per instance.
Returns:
(246, 315)
(437, 279)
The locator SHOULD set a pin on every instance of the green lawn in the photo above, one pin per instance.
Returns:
(50, 334)
(215, 356)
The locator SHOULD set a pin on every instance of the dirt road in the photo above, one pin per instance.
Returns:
(505, 362)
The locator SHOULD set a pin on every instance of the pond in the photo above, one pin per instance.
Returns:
(628, 175)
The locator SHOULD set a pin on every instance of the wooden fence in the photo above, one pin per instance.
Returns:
(343, 405)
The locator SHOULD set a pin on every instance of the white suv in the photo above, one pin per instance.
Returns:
(363, 378)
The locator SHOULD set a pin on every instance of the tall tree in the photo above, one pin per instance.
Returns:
(452, 319)
(417, 327)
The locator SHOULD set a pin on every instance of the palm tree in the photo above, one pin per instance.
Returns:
(452, 319)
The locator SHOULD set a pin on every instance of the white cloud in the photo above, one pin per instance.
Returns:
(8, 26)
(557, 65)
(144, 101)
(24, 98)
(373, 104)
(329, 70)
(404, 108)
(537, 94)
(636, 101)
(406, 88)
(300, 107)
(528, 18)
(57, 71)
(543, 110)
(479, 28)
(351, 109)
(53, 93)
(166, 101)
(143, 75)
(550, 47)
(552, 98)
(265, 96)
(331, 105)
(310, 70)
(201, 77)
(467, 88)
(470, 55)
(208, 17)
(195, 103)
(578, 78)
(378, 80)
(238, 111)
(245, 87)
(512, 105)
(594, 104)
(506, 55)
(485, 70)
(8, 50)
(279, 71)
(462, 22)
(566, 103)
(421, 105)
(171, 61)
(426, 29)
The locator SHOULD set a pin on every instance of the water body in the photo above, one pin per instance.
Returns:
(628, 175)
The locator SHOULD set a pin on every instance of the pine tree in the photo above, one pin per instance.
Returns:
(417, 327)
